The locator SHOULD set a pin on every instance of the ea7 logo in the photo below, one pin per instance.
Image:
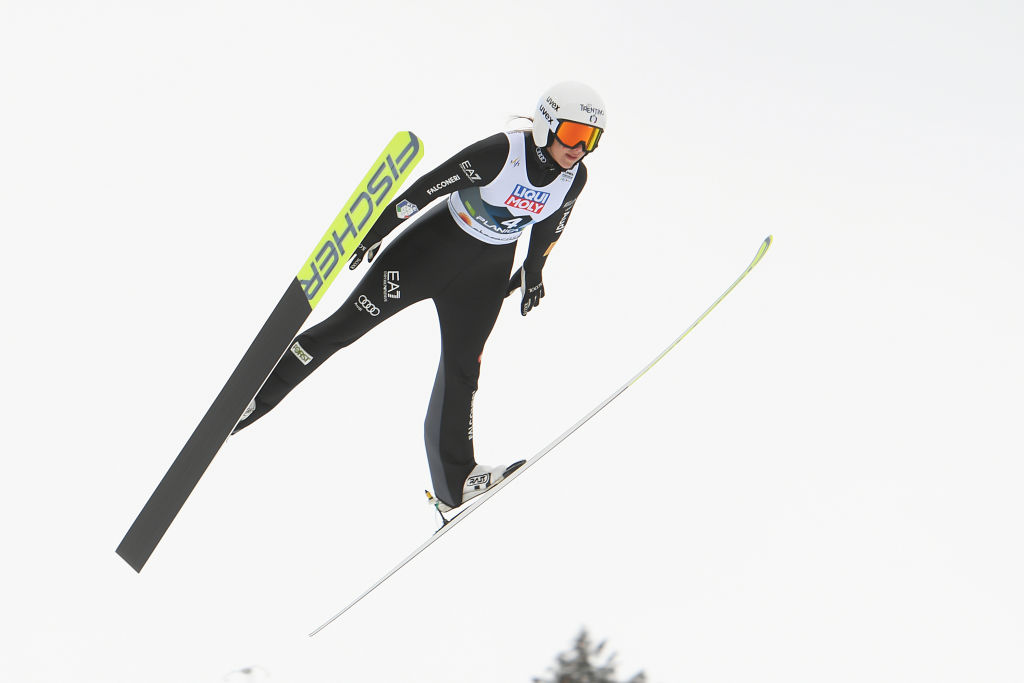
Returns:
(467, 170)
(391, 287)
(364, 304)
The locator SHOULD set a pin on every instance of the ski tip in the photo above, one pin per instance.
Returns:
(410, 136)
(761, 251)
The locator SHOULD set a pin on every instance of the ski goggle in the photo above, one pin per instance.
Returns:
(570, 134)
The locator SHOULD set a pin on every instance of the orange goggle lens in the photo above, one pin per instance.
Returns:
(570, 134)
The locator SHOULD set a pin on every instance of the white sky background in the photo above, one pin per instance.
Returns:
(821, 483)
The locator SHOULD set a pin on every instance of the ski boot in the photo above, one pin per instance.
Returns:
(479, 480)
(246, 413)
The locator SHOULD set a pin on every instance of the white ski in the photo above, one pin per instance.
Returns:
(449, 524)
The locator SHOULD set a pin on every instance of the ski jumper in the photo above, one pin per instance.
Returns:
(460, 255)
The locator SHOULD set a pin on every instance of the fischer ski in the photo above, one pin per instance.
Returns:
(448, 524)
(304, 292)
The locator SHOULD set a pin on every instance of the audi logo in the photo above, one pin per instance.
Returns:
(368, 306)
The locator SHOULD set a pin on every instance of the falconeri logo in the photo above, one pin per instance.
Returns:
(527, 199)
(443, 184)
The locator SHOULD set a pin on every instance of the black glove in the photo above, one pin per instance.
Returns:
(532, 287)
(368, 248)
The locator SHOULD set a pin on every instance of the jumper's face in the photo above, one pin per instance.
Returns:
(564, 156)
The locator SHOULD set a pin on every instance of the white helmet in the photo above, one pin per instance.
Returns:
(572, 112)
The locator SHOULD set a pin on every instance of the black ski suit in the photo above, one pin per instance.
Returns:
(467, 278)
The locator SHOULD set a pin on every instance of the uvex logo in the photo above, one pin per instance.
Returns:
(546, 114)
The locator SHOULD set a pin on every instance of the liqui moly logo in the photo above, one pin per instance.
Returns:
(527, 199)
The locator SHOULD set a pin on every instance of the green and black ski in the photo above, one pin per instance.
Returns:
(377, 189)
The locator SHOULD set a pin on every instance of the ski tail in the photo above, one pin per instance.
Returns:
(394, 165)
(195, 457)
